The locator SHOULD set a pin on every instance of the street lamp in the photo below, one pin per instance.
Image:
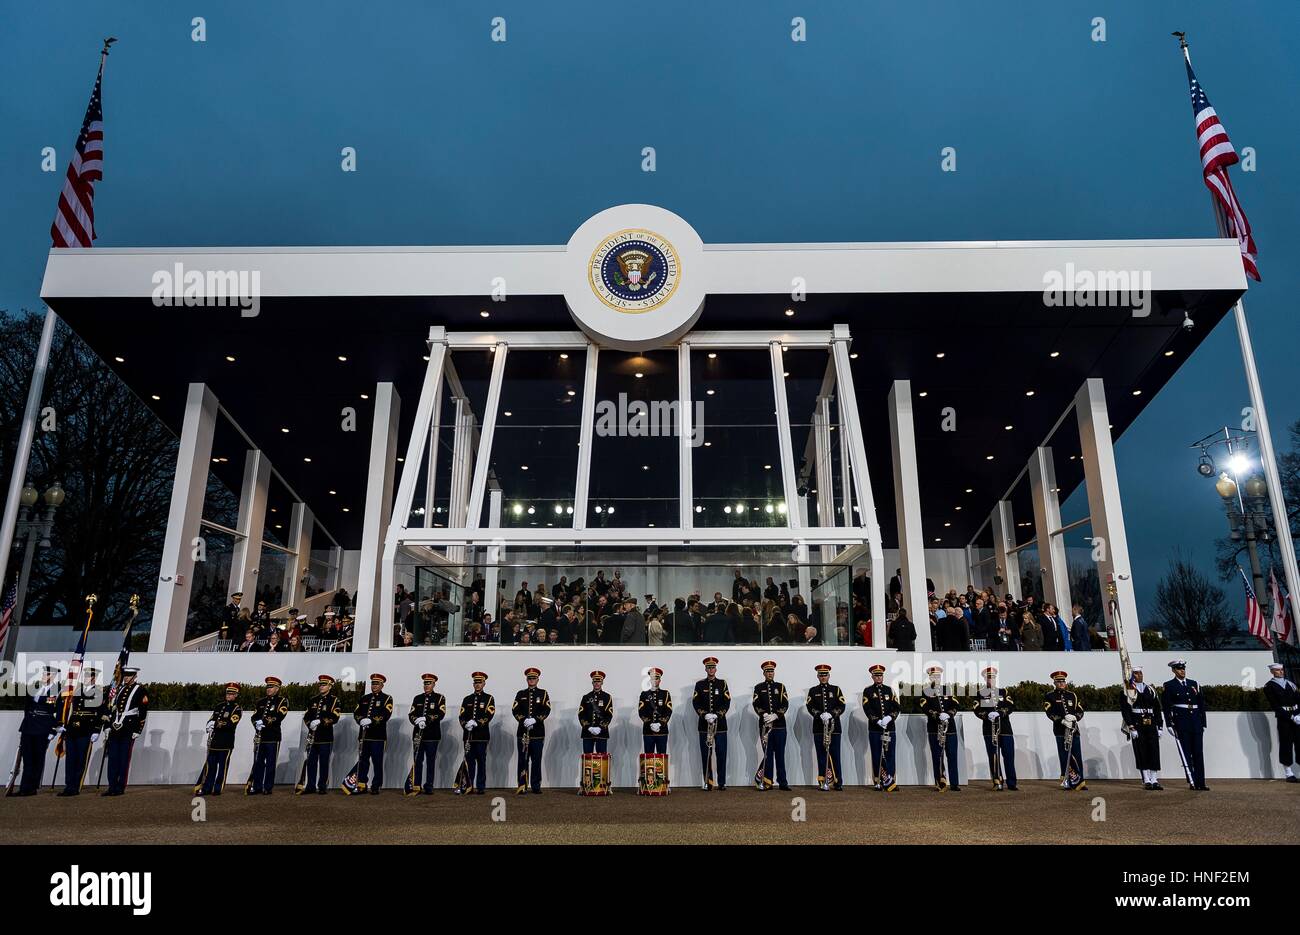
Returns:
(32, 531)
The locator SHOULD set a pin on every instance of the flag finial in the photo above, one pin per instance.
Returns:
(108, 42)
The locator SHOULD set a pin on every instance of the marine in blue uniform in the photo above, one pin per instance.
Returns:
(476, 711)
(655, 708)
(374, 710)
(1062, 706)
(825, 702)
(1285, 700)
(221, 741)
(881, 708)
(595, 712)
(1144, 725)
(427, 711)
(531, 707)
(940, 709)
(771, 702)
(85, 721)
(271, 710)
(322, 714)
(1184, 706)
(40, 721)
(993, 706)
(127, 713)
(712, 700)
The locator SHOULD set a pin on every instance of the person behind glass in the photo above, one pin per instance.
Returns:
(1000, 638)
(230, 616)
(372, 715)
(993, 706)
(427, 711)
(634, 630)
(881, 708)
(476, 712)
(321, 715)
(595, 712)
(1031, 633)
(655, 708)
(771, 702)
(38, 727)
(712, 700)
(939, 708)
(825, 702)
(249, 645)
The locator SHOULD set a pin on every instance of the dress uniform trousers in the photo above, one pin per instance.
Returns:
(372, 753)
(264, 757)
(719, 753)
(476, 760)
(1076, 751)
(119, 760)
(874, 738)
(654, 743)
(836, 774)
(1288, 741)
(33, 748)
(950, 742)
(425, 756)
(1008, 756)
(533, 764)
(775, 758)
(595, 744)
(214, 772)
(318, 766)
(1191, 736)
(77, 750)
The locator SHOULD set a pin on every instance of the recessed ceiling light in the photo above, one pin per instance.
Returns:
(1029, 392)
(155, 396)
(970, 490)
(308, 460)
(853, 356)
(216, 460)
(563, 356)
(275, 510)
(923, 393)
(1169, 353)
(640, 375)
(229, 358)
(645, 467)
(699, 509)
(523, 467)
(346, 510)
(988, 457)
(709, 392)
(789, 313)
(957, 508)
(1054, 354)
(939, 355)
(713, 355)
(573, 393)
(947, 524)
(278, 526)
(343, 359)
(1137, 392)
(507, 413)
(1008, 427)
(532, 510)
(400, 458)
(483, 313)
(937, 539)
(365, 396)
(120, 360)
(284, 430)
(708, 444)
(786, 373)
(425, 357)
(333, 493)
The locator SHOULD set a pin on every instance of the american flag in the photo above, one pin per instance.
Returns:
(7, 611)
(74, 223)
(1216, 155)
(1254, 616)
(1283, 622)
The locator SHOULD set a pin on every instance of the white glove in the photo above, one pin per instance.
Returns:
(1070, 719)
(470, 725)
(655, 726)
(884, 721)
(826, 715)
(420, 722)
(259, 724)
(769, 718)
(594, 731)
(1160, 731)
(94, 738)
(710, 718)
(943, 716)
(529, 721)
(1296, 718)
(135, 736)
(60, 729)
(49, 737)
(314, 724)
(211, 724)
(365, 722)
(993, 715)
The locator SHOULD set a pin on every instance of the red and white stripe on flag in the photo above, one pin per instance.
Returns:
(74, 222)
(1283, 622)
(1254, 615)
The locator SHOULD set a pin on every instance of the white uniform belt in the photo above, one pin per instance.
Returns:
(1184, 706)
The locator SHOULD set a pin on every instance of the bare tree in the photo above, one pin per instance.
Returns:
(1191, 609)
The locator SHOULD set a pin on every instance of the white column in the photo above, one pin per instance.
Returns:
(171, 605)
(476, 496)
(335, 578)
(1006, 562)
(247, 553)
(585, 439)
(907, 504)
(1047, 525)
(686, 429)
(825, 483)
(495, 553)
(1110, 541)
(375, 610)
(788, 481)
(301, 522)
(652, 572)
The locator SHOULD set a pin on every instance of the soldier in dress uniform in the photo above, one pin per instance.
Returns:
(595, 713)
(655, 707)
(476, 711)
(940, 709)
(320, 717)
(711, 700)
(825, 702)
(993, 706)
(221, 741)
(39, 725)
(1285, 700)
(427, 711)
(267, 717)
(1144, 726)
(770, 704)
(882, 709)
(230, 628)
(85, 721)
(1063, 707)
(372, 715)
(531, 707)
(125, 722)
(1184, 706)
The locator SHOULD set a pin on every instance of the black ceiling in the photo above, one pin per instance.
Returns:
(996, 347)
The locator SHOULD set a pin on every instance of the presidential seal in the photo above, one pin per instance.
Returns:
(634, 271)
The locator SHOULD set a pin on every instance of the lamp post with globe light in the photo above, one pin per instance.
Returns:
(32, 531)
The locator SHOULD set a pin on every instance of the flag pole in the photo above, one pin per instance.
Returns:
(1267, 456)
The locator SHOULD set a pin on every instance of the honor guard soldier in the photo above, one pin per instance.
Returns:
(39, 724)
(940, 708)
(221, 741)
(1065, 711)
(85, 721)
(882, 709)
(993, 706)
(711, 700)
(1144, 726)
(476, 711)
(531, 707)
(1184, 706)
(595, 713)
(1285, 700)
(230, 617)
(655, 707)
(770, 704)
(372, 715)
(267, 717)
(825, 702)
(126, 718)
(320, 717)
(427, 711)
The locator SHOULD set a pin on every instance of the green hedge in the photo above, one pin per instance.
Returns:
(177, 696)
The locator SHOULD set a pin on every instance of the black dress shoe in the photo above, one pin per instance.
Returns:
(1156, 787)
(784, 787)
(1012, 788)
(1293, 779)
(1146, 786)
(956, 788)
(1202, 788)
(838, 787)
(65, 793)
(537, 792)
(307, 792)
(372, 792)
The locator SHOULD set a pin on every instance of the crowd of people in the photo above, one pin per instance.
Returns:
(254, 630)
